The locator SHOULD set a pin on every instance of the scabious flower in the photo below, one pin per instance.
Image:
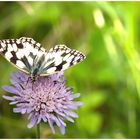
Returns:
(47, 99)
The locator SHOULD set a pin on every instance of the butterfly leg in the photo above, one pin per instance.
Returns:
(29, 78)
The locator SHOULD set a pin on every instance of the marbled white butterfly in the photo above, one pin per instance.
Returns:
(29, 56)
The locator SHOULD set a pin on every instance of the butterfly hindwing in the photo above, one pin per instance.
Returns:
(59, 58)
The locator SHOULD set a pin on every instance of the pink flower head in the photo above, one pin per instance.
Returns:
(47, 99)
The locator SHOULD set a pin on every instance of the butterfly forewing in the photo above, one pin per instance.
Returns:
(20, 52)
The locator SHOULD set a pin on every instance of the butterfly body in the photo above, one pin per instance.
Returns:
(29, 56)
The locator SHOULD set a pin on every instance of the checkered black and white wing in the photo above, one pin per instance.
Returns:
(21, 52)
(29, 56)
(60, 58)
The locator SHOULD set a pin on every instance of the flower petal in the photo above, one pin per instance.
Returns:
(8, 98)
(51, 125)
(69, 119)
(56, 120)
(12, 103)
(23, 110)
(72, 114)
(44, 118)
(32, 122)
(10, 89)
(61, 121)
(62, 129)
(17, 110)
(76, 95)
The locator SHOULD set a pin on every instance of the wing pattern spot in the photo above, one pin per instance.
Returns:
(14, 57)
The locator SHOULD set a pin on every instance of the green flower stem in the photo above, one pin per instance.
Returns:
(38, 131)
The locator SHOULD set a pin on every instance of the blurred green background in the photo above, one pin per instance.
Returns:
(108, 80)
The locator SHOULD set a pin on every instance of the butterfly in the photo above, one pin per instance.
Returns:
(30, 57)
